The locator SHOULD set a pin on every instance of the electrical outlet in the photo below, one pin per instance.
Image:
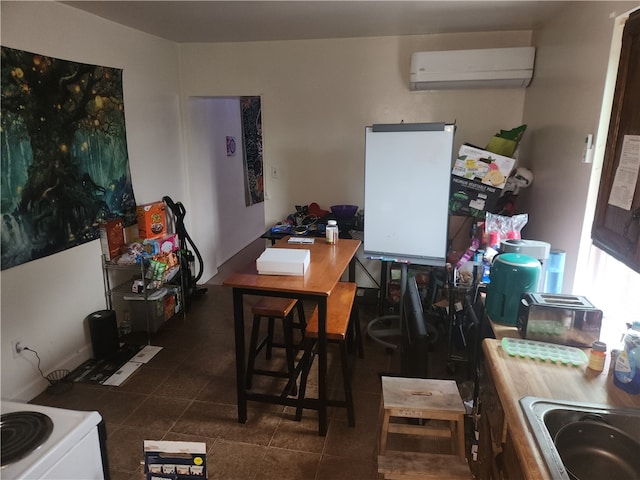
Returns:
(587, 153)
(16, 347)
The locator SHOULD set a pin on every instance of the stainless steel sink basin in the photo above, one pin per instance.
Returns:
(547, 417)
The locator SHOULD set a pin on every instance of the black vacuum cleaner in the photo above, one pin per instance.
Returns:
(187, 260)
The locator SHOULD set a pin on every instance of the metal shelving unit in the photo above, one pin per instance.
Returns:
(118, 288)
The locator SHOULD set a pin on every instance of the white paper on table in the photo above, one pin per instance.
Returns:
(626, 178)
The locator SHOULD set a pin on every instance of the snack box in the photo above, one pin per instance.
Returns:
(175, 460)
(111, 237)
(283, 261)
(163, 245)
(152, 222)
(480, 165)
(471, 198)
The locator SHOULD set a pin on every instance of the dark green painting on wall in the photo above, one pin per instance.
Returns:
(251, 115)
(64, 156)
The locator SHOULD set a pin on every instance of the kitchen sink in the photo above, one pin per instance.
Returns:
(547, 417)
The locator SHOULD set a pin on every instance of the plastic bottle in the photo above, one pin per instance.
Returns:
(332, 232)
(486, 270)
(626, 374)
(125, 327)
(597, 356)
(555, 271)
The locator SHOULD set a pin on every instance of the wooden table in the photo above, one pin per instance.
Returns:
(328, 263)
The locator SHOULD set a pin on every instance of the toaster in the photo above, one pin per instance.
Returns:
(565, 319)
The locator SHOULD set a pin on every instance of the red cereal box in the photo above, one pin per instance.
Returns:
(111, 237)
(152, 222)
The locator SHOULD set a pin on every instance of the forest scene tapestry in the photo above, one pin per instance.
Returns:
(251, 115)
(64, 156)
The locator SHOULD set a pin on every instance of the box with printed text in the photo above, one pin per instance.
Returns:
(483, 166)
(471, 198)
(111, 237)
(152, 222)
(175, 460)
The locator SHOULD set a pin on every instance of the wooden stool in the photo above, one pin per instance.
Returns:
(422, 466)
(342, 318)
(424, 399)
(275, 308)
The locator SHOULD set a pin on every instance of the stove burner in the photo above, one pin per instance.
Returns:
(22, 433)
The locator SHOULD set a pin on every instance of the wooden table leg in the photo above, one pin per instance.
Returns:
(322, 366)
(460, 434)
(238, 320)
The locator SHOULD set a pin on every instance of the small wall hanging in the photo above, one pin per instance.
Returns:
(231, 146)
(251, 114)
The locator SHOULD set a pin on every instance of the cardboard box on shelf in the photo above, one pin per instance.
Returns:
(172, 303)
(164, 244)
(477, 180)
(111, 237)
(471, 198)
(152, 222)
(482, 166)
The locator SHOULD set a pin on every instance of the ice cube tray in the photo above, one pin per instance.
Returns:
(547, 352)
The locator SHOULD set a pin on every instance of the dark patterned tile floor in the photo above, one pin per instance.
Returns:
(187, 392)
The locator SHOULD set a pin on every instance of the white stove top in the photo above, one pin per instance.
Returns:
(70, 427)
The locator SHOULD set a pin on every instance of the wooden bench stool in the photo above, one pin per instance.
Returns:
(273, 308)
(422, 466)
(342, 318)
(422, 399)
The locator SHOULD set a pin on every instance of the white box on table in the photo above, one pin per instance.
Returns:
(283, 261)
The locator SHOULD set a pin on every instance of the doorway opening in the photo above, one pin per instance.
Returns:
(224, 221)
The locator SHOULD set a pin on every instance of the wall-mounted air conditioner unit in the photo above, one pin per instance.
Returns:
(481, 68)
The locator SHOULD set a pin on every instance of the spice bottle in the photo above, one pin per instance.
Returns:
(597, 356)
(332, 232)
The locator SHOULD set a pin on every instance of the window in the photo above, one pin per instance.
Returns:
(613, 266)
(616, 226)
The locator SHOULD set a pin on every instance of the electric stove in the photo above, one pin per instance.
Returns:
(40, 442)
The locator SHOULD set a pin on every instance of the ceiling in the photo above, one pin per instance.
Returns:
(243, 21)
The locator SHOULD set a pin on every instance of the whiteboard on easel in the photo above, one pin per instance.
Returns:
(406, 190)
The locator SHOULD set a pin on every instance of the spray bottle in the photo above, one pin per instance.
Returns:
(626, 374)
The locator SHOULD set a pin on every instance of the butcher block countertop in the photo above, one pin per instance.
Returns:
(516, 377)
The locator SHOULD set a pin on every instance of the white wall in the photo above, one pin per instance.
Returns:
(45, 302)
(562, 106)
(221, 222)
(318, 96)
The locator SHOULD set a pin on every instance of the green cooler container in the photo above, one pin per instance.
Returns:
(512, 274)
